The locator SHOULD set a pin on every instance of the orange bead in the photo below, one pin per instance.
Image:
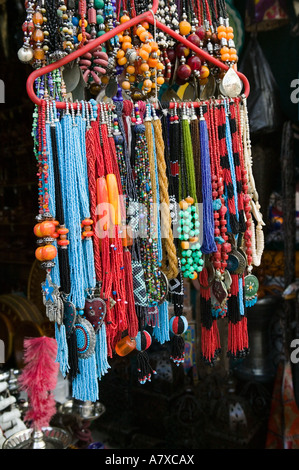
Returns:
(63, 242)
(125, 346)
(146, 47)
(120, 38)
(160, 80)
(185, 28)
(230, 36)
(193, 239)
(130, 69)
(38, 35)
(189, 199)
(37, 18)
(126, 85)
(63, 231)
(145, 24)
(147, 83)
(39, 253)
(144, 36)
(80, 37)
(126, 45)
(122, 61)
(154, 46)
(224, 50)
(144, 67)
(120, 54)
(221, 28)
(152, 62)
(124, 19)
(87, 222)
(132, 78)
(127, 39)
(185, 245)
(37, 231)
(222, 35)
(87, 234)
(233, 57)
(39, 54)
(85, 23)
(194, 276)
(160, 66)
(232, 50)
(225, 57)
(49, 252)
(47, 228)
(143, 54)
(204, 72)
(105, 79)
(229, 29)
(140, 30)
(183, 204)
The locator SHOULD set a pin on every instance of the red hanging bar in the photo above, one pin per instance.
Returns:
(147, 16)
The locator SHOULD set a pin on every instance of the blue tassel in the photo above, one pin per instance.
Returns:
(101, 352)
(85, 385)
(62, 349)
(208, 243)
(251, 302)
(241, 299)
(161, 332)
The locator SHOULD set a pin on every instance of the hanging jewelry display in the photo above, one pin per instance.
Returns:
(135, 197)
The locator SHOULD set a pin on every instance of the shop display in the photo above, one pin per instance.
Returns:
(139, 193)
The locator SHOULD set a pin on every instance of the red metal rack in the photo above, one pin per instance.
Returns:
(148, 16)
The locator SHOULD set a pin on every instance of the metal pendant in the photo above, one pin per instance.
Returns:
(95, 311)
(219, 291)
(251, 286)
(86, 338)
(227, 279)
(52, 300)
(231, 84)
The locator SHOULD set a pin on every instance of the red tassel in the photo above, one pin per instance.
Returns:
(210, 338)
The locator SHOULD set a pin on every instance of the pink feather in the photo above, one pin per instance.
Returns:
(39, 379)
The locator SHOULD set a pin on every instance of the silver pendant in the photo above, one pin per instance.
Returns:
(231, 84)
(52, 300)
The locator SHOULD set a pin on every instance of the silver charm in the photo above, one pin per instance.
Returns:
(231, 84)
(52, 300)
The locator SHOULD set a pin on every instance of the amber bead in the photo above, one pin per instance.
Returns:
(160, 80)
(120, 54)
(124, 19)
(37, 18)
(185, 245)
(183, 204)
(131, 69)
(185, 28)
(49, 252)
(204, 72)
(152, 62)
(38, 35)
(126, 85)
(125, 346)
(37, 230)
(144, 36)
(189, 200)
(39, 54)
(126, 45)
(144, 67)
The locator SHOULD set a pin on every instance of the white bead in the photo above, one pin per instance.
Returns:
(25, 55)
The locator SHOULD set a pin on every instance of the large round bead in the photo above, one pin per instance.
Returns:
(178, 324)
(25, 54)
(143, 340)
